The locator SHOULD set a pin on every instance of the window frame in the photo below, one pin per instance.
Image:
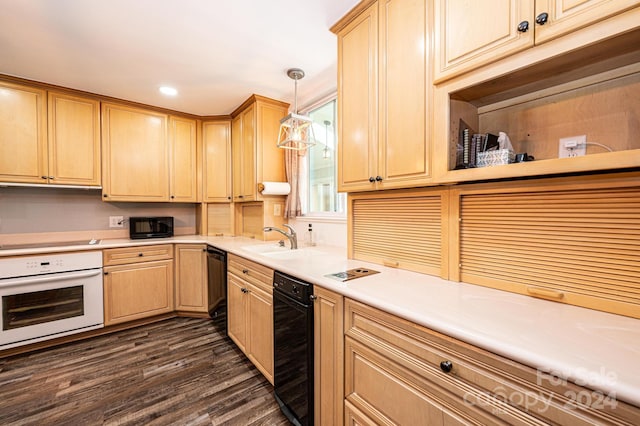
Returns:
(329, 217)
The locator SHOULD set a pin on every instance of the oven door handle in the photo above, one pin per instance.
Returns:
(50, 278)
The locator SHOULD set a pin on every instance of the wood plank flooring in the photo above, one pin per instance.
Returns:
(182, 371)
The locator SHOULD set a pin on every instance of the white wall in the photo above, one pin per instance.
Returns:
(326, 232)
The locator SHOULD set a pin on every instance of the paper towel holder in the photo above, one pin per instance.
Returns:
(271, 190)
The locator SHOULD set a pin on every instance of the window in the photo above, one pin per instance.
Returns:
(320, 196)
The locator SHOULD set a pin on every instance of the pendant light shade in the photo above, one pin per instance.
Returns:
(296, 130)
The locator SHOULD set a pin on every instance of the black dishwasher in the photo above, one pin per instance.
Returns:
(217, 285)
(293, 347)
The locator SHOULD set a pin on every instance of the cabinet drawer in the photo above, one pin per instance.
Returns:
(480, 384)
(123, 256)
(252, 272)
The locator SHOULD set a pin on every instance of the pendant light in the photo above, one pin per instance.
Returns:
(296, 131)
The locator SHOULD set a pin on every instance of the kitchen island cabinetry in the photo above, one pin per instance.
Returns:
(55, 145)
(397, 372)
(216, 170)
(191, 278)
(138, 282)
(384, 95)
(250, 311)
(256, 158)
(473, 34)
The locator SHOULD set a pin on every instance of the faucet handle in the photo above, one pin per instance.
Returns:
(293, 231)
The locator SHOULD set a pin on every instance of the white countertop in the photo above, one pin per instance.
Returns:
(594, 349)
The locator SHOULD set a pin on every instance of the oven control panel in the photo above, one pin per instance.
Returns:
(24, 266)
(292, 287)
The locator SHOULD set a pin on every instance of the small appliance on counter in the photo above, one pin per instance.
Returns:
(150, 227)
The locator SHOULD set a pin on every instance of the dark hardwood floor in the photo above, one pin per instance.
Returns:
(181, 371)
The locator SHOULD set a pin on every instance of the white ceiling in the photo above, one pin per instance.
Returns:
(216, 53)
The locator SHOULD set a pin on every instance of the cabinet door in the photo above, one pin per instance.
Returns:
(269, 158)
(217, 161)
(565, 16)
(470, 34)
(404, 112)
(329, 356)
(137, 291)
(191, 278)
(260, 325)
(358, 102)
(135, 154)
(244, 166)
(237, 311)
(182, 141)
(74, 140)
(23, 138)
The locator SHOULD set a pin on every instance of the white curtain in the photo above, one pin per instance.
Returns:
(292, 162)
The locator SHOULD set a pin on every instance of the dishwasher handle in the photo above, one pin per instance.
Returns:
(217, 254)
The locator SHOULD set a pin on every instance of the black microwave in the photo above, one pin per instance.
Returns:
(150, 227)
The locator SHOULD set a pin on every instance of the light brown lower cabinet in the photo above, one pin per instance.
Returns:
(328, 357)
(397, 372)
(138, 283)
(191, 278)
(250, 311)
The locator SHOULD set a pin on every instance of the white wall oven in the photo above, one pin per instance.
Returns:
(48, 296)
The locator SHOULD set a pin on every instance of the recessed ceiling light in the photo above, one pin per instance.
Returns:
(169, 91)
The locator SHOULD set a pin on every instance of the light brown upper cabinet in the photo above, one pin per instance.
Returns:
(66, 152)
(148, 156)
(472, 34)
(183, 160)
(216, 174)
(23, 134)
(135, 154)
(384, 95)
(254, 135)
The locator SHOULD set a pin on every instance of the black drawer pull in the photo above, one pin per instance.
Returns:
(542, 18)
(523, 26)
(446, 366)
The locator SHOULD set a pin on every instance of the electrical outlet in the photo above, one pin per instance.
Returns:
(116, 221)
(277, 209)
(574, 146)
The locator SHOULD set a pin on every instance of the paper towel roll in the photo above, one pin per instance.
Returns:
(274, 188)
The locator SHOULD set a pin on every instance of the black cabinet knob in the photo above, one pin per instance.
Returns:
(106, 273)
(542, 18)
(43, 177)
(140, 254)
(245, 271)
(378, 178)
(173, 196)
(371, 179)
(446, 366)
(523, 26)
(105, 195)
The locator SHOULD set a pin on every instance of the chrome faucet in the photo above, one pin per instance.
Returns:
(292, 236)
